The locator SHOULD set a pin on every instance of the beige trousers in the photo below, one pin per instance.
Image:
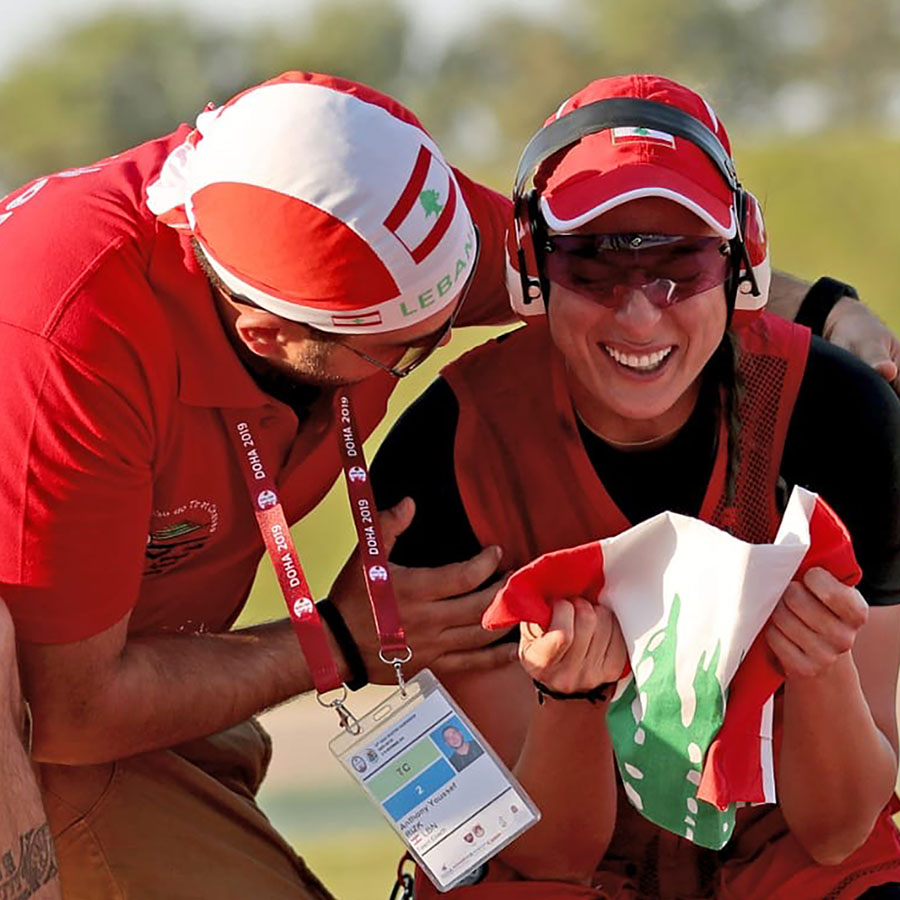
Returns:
(179, 824)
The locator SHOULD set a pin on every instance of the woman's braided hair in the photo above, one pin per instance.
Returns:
(726, 371)
(724, 368)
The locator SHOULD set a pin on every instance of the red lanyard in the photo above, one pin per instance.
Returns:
(394, 649)
(283, 552)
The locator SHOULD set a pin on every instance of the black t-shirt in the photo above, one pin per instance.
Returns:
(843, 442)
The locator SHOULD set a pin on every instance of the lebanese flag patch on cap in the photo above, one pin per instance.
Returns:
(357, 320)
(691, 725)
(425, 208)
(646, 135)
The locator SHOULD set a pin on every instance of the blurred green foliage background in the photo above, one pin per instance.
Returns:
(809, 89)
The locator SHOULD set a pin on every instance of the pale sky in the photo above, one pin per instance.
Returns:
(24, 25)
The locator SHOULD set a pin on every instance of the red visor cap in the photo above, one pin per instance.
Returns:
(611, 167)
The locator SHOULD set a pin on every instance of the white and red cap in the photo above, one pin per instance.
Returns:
(606, 169)
(322, 201)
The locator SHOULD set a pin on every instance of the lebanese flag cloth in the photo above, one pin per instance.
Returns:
(691, 723)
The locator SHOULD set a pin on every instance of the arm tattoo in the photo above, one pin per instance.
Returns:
(37, 865)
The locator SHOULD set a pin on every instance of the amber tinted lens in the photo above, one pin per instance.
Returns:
(668, 269)
(415, 354)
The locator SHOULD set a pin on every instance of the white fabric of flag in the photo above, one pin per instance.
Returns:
(690, 600)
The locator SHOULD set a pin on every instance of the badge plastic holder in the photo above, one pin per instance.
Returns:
(441, 787)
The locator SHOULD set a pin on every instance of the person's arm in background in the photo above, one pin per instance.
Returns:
(840, 319)
(28, 866)
(786, 294)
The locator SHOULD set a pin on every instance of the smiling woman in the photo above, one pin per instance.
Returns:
(651, 379)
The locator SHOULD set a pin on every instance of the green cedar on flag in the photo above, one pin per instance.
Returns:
(431, 203)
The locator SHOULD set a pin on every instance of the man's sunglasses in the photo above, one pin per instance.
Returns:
(416, 352)
(606, 268)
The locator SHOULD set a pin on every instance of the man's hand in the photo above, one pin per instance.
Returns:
(853, 326)
(445, 636)
(582, 648)
(850, 324)
(815, 623)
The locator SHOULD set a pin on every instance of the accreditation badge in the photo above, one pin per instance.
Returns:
(435, 779)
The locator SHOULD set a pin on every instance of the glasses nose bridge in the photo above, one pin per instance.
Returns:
(635, 307)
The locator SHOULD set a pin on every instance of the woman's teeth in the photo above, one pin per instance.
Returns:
(643, 363)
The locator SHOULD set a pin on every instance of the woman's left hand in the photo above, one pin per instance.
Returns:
(815, 623)
(582, 649)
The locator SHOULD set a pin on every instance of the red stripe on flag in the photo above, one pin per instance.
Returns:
(411, 191)
(440, 227)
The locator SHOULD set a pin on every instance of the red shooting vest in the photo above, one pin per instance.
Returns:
(528, 485)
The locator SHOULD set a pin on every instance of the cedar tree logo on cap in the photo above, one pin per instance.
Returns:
(322, 201)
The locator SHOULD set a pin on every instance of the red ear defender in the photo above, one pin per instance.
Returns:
(756, 251)
(524, 256)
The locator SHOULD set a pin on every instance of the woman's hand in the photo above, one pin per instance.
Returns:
(814, 624)
(582, 648)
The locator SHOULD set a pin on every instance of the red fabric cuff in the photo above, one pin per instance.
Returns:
(529, 594)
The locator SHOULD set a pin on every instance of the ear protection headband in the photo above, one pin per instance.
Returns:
(748, 282)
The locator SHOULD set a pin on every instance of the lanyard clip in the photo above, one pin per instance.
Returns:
(348, 721)
(401, 681)
(397, 662)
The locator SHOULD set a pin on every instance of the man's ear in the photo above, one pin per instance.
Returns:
(264, 333)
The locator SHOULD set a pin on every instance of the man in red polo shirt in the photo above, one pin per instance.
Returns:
(305, 235)
(201, 272)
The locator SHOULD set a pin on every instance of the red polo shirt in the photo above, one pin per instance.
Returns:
(119, 487)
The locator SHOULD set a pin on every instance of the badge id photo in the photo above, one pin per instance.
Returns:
(436, 780)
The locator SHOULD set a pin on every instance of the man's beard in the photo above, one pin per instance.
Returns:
(298, 383)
